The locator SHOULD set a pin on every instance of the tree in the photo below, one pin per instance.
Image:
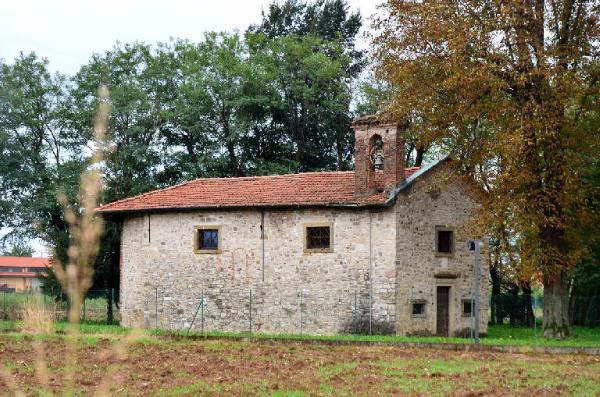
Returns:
(584, 304)
(39, 156)
(309, 98)
(138, 89)
(223, 82)
(336, 26)
(330, 20)
(140, 85)
(523, 70)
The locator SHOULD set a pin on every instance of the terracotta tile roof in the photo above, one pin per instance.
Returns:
(23, 261)
(305, 189)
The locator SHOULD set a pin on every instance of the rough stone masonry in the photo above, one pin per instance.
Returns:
(395, 259)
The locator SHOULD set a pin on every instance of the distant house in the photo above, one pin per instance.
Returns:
(18, 273)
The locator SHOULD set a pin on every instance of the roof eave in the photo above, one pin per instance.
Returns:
(238, 207)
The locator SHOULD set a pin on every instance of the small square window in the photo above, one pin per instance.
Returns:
(444, 242)
(318, 238)
(467, 309)
(418, 309)
(207, 239)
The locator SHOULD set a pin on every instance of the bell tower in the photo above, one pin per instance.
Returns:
(379, 154)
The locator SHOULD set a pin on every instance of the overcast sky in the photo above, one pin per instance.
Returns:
(67, 32)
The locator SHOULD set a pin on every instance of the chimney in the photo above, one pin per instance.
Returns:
(377, 139)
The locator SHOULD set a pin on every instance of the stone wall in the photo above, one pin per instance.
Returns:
(162, 279)
(389, 250)
(437, 200)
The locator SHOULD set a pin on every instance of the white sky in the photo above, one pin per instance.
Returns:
(67, 32)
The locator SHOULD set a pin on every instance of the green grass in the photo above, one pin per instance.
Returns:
(94, 308)
(86, 327)
(520, 336)
(502, 335)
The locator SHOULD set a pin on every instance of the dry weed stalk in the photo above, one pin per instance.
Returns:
(75, 276)
(39, 320)
(37, 317)
(85, 230)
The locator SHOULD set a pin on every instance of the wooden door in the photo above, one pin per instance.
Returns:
(443, 311)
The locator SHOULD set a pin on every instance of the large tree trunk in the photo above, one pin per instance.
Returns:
(556, 306)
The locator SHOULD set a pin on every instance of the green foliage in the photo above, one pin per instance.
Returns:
(330, 20)
(310, 99)
(372, 95)
(38, 155)
(17, 248)
(503, 84)
(267, 102)
(315, 111)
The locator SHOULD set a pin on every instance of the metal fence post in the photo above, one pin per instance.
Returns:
(354, 314)
(301, 311)
(250, 311)
(475, 245)
(472, 319)
(200, 305)
(202, 312)
(477, 290)
(156, 309)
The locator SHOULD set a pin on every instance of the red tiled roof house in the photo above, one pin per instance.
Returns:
(19, 273)
(382, 246)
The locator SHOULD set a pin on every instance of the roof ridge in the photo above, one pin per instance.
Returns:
(273, 176)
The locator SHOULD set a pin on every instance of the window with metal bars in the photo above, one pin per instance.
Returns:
(207, 239)
(318, 237)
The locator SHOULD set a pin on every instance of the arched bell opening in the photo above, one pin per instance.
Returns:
(375, 157)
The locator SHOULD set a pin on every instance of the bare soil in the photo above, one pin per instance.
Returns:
(226, 367)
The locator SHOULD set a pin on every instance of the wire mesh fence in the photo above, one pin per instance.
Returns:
(528, 310)
(300, 312)
(100, 305)
(306, 312)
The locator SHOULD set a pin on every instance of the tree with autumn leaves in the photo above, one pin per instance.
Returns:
(511, 88)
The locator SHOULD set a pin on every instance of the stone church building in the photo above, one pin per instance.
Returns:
(383, 247)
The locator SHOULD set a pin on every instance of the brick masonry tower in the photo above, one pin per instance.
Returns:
(379, 148)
